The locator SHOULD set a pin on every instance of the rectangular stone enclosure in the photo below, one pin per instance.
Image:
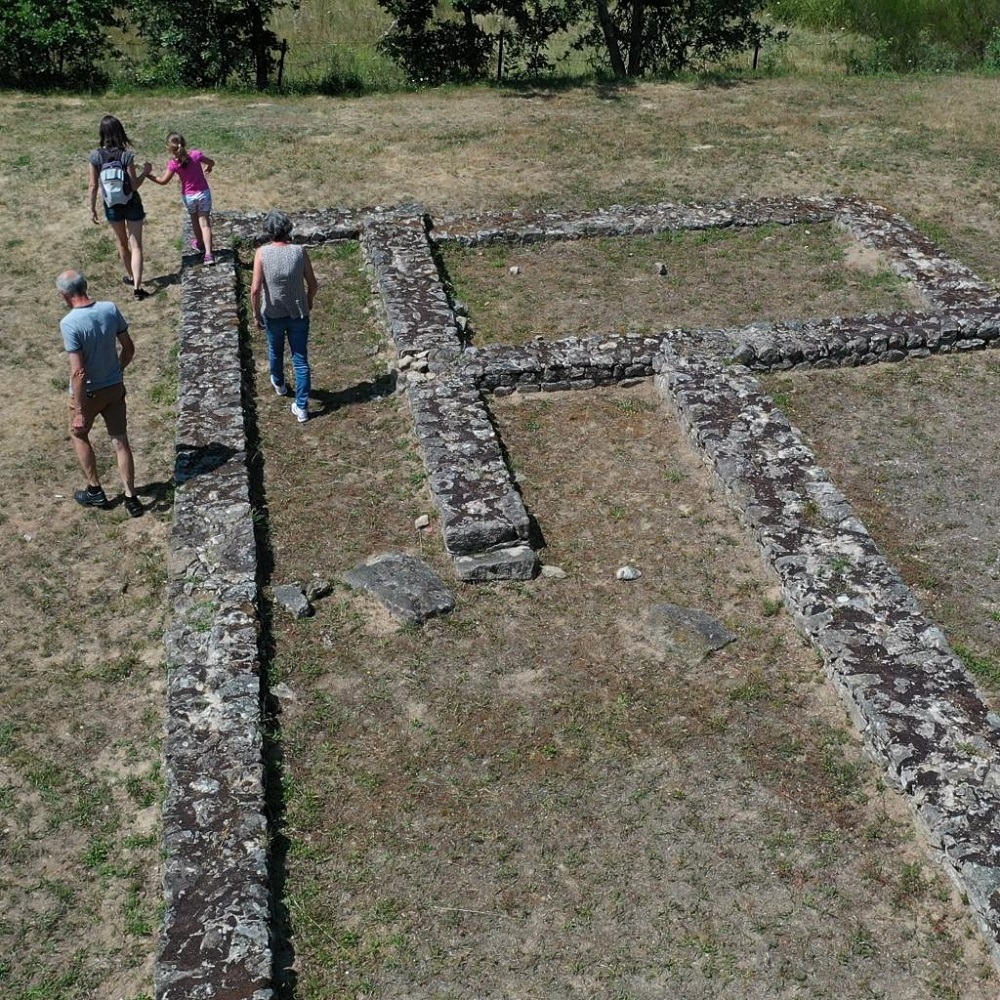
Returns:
(909, 695)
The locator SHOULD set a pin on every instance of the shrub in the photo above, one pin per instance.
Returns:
(53, 43)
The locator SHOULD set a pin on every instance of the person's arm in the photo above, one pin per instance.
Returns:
(134, 176)
(165, 179)
(207, 163)
(94, 184)
(311, 283)
(256, 287)
(126, 348)
(78, 386)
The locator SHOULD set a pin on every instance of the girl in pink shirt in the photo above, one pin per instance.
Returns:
(191, 166)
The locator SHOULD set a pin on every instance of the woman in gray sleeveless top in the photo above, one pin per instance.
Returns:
(282, 294)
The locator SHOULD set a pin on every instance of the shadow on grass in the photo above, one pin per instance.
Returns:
(363, 392)
(160, 496)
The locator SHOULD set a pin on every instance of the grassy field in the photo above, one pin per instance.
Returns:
(520, 800)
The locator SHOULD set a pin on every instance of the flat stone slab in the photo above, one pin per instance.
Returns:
(687, 632)
(410, 590)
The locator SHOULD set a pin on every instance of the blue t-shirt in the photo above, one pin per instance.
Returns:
(93, 331)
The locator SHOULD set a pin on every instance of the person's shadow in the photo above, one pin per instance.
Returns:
(156, 498)
(363, 392)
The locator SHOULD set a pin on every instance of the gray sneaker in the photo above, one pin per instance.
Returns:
(300, 415)
(280, 388)
(91, 497)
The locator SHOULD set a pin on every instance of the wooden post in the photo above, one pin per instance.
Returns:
(283, 48)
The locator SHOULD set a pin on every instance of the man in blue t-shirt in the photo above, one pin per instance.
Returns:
(96, 338)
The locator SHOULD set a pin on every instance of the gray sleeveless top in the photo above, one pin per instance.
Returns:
(284, 282)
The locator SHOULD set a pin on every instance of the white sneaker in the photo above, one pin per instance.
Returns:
(280, 388)
(300, 415)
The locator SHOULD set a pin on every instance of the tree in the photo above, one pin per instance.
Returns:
(637, 37)
(431, 50)
(437, 42)
(207, 43)
(45, 43)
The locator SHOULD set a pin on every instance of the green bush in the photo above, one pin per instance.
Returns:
(906, 35)
(991, 58)
(54, 43)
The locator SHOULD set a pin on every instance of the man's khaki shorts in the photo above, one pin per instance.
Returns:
(108, 403)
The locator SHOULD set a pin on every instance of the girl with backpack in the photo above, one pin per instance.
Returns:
(114, 176)
(191, 166)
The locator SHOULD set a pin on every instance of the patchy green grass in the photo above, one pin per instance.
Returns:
(422, 739)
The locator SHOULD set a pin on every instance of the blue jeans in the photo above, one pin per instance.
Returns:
(297, 332)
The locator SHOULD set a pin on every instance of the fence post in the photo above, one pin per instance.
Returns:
(283, 48)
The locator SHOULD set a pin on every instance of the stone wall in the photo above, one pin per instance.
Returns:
(216, 935)
(909, 695)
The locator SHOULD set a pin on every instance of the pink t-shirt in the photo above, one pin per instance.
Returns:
(193, 180)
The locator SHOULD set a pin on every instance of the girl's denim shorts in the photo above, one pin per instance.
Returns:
(199, 204)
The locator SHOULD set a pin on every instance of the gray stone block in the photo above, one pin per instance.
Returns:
(516, 563)
(409, 589)
(687, 632)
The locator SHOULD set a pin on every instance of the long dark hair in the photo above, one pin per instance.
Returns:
(112, 134)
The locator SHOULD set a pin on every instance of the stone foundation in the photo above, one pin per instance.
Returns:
(216, 936)
(908, 694)
(915, 705)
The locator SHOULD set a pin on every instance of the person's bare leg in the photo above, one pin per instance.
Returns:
(124, 249)
(135, 252)
(126, 462)
(205, 225)
(87, 458)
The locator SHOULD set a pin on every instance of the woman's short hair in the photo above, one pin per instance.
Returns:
(277, 225)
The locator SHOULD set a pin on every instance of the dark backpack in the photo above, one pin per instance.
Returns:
(116, 185)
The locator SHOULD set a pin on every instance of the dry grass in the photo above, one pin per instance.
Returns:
(522, 756)
(716, 278)
(532, 799)
(928, 489)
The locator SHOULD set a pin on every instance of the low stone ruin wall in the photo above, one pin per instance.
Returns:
(215, 943)
(909, 695)
(427, 330)
(918, 710)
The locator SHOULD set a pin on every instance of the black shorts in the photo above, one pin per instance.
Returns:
(131, 211)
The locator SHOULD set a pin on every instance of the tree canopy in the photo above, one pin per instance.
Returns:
(49, 42)
(441, 40)
(206, 43)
